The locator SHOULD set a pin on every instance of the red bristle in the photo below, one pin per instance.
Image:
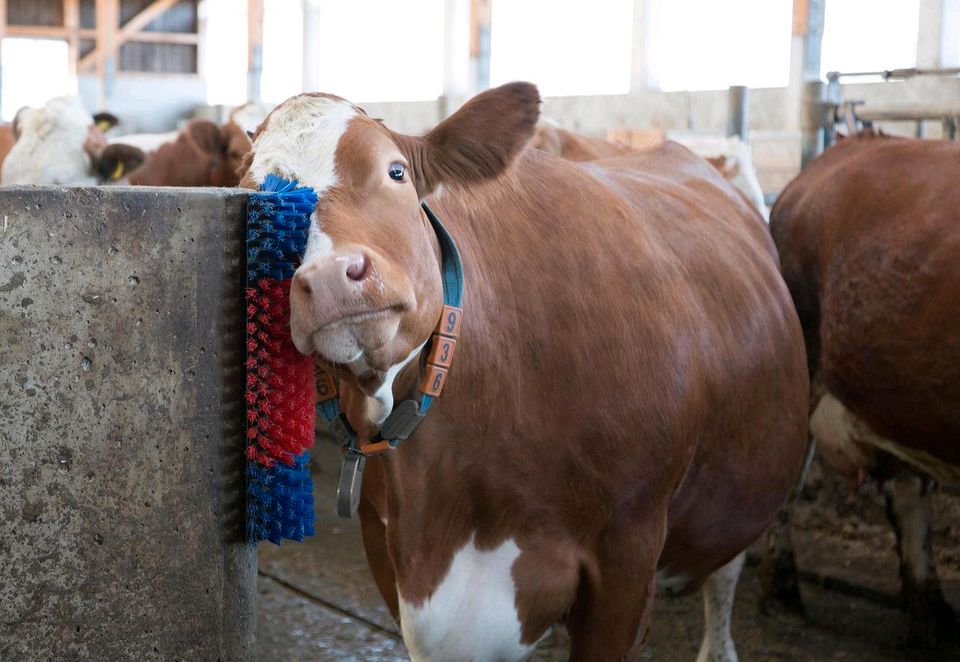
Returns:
(280, 389)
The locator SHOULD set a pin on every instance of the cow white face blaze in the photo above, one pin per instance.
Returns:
(369, 291)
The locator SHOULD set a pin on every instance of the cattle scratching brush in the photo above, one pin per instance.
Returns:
(280, 395)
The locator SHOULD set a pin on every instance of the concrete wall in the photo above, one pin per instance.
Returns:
(121, 425)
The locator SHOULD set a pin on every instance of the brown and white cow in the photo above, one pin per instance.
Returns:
(629, 394)
(49, 146)
(8, 137)
(869, 238)
(202, 154)
(554, 139)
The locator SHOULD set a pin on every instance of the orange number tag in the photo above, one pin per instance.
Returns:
(433, 380)
(326, 387)
(449, 324)
(441, 351)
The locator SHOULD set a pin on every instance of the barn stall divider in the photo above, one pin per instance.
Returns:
(121, 425)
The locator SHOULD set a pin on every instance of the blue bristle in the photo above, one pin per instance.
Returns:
(278, 219)
(280, 501)
(279, 498)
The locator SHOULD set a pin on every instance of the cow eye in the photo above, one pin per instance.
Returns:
(396, 172)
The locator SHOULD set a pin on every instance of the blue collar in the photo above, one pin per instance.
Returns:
(435, 363)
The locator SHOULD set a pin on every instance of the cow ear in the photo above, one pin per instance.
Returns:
(206, 135)
(105, 121)
(17, 119)
(116, 161)
(477, 142)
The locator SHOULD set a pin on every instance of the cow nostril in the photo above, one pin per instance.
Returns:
(357, 267)
(302, 285)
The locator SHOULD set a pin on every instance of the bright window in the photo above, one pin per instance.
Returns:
(282, 50)
(381, 50)
(711, 45)
(225, 54)
(34, 71)
(869, 35)
(565, 48)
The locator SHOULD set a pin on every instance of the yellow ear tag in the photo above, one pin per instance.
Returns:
(103, 125)
(117, 172)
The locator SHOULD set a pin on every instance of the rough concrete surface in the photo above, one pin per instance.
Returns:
(121, 322)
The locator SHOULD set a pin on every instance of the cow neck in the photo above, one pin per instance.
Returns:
(434, 364)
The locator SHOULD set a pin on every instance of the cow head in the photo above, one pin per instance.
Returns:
(368, 292)
(49, 147)
(223, 149)
(116, 161)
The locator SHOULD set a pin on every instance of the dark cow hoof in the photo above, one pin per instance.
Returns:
(780, 587)
(931, 621)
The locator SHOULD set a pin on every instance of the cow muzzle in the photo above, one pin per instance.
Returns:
(347, 304)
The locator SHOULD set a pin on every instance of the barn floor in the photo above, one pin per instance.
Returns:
(317, 601)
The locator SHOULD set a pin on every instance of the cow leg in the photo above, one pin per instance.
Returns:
(779, 581)
(718, 595)
(929, 617)
(611, 614)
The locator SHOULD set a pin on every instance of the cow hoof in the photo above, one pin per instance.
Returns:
(931, 621)
(780, 587)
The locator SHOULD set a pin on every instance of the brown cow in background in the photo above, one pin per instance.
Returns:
(203, 154)
(551, 138)
(7, 139)
(869, 240)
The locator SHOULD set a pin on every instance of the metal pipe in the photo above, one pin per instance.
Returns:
(738, 111)
(888, 74)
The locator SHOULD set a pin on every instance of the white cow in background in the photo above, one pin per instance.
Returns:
(49, 149)
(249, 116)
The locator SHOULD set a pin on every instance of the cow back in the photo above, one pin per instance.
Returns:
(869, 237)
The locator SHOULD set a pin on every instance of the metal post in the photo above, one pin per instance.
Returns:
(813, 120)
(738, 111)
(254, 48)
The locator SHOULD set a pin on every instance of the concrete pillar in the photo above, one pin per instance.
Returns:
(638, 58)
(950, 34)
(929, 33)
(254, 49)
(121, 425)
(311, 45)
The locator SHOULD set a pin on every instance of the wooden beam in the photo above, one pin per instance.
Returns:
(37, 31)
(71, 21)
(131, 27)
(186, 38)
(144, 18)
(481, 18)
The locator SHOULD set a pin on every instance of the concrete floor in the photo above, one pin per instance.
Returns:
(318, 602)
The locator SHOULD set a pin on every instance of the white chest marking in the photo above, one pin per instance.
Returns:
(472, 615)
(381, 404)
